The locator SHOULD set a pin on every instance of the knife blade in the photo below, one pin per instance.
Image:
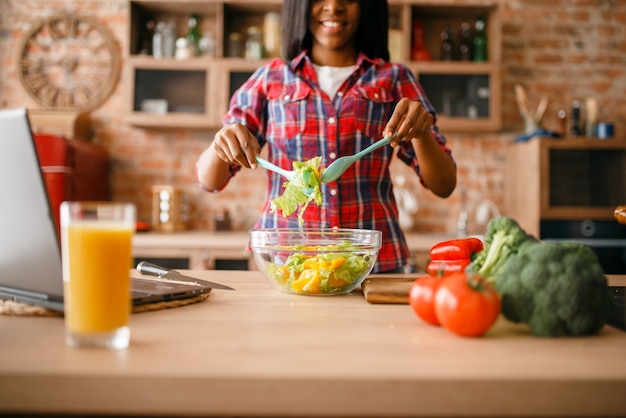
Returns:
(152, 269)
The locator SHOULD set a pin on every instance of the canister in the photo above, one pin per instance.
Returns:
(271, 34)
(604, 130)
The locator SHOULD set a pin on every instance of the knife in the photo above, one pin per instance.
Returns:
(151, 269)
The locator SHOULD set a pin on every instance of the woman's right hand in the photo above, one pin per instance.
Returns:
(234, 144)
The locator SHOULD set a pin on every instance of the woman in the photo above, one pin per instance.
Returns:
(334, 94)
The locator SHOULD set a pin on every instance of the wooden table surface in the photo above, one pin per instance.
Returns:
(259, 352)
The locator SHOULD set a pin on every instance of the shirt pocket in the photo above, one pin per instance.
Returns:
(287, 110)
(373, 107)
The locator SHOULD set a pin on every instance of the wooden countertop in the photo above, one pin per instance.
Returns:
(259, 352)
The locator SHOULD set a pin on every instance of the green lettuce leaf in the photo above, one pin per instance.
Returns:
(302, 189)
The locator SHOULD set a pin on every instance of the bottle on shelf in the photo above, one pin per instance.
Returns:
(235, 45)
(271, 34)
(147, 36)
(591, 116)
(157, 40)
(465, 42)
(419, 52)
(163, 40)
(480, 41)
(447, 47)
(575, 130)
(193, 35)
(562, 123)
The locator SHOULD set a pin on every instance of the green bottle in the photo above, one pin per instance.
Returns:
(193, 35)
(480, 41)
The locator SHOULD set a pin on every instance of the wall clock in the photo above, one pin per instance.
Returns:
(69, 61)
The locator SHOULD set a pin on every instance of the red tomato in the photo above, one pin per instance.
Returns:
(466, 304)
(422, 298)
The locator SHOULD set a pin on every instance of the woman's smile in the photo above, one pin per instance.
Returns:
(333, 25)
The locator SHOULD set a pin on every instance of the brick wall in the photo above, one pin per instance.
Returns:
(565, 49)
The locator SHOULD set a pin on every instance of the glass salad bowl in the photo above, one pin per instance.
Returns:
(310, 261)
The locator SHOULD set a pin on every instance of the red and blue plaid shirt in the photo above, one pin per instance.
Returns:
(284, 107)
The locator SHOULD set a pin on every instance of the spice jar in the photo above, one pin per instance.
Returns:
(235, 45)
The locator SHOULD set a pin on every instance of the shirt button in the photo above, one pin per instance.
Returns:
(333, 192)
(376, 95)
(287, 97)
(340, 93)
(332, 155)
(331, 120)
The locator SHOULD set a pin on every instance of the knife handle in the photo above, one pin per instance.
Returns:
(145, 267)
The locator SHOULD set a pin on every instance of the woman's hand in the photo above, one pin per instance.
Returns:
(413, 123)
(409, 120)
(234, 144)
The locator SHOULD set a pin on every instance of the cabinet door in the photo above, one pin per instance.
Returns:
(465, 96)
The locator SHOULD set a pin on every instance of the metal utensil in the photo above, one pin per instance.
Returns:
(151, 269)
(339, 166)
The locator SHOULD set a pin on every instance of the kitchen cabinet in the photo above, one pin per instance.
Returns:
(194, 93)
(564, 179)
(567, 190)
(194, 250)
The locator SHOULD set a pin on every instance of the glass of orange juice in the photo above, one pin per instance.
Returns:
(97, 257)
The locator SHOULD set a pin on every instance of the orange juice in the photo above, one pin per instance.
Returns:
(97, 283)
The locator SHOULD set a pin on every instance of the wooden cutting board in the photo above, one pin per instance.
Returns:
(394, 288)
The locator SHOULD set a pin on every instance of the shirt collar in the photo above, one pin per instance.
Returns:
(362, 60)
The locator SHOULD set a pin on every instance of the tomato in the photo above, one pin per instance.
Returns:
(422, 298)
(466, 304)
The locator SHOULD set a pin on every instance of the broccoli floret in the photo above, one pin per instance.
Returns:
(504, 238)
(558, 289)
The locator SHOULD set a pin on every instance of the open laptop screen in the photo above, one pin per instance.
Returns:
(29, 246)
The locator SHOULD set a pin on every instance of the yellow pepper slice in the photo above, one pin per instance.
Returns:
(308, 282)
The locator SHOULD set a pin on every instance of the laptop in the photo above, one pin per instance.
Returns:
(30, 250)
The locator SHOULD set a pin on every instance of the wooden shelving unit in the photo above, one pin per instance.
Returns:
(207, 83)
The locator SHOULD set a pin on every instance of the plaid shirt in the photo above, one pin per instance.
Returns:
(284, 107)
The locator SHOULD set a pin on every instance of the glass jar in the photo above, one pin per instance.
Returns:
(235, 45)
(184, 50)
(254, 43)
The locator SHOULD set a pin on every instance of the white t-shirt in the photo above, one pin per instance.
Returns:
(330, 78)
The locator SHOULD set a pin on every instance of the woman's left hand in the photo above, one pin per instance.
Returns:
(409, 120)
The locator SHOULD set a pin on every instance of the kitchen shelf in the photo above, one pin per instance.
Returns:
(212, 80)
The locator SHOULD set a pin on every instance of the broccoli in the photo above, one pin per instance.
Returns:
(503, 239)
(558, 289)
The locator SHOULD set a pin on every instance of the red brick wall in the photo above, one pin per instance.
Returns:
(565, 49)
